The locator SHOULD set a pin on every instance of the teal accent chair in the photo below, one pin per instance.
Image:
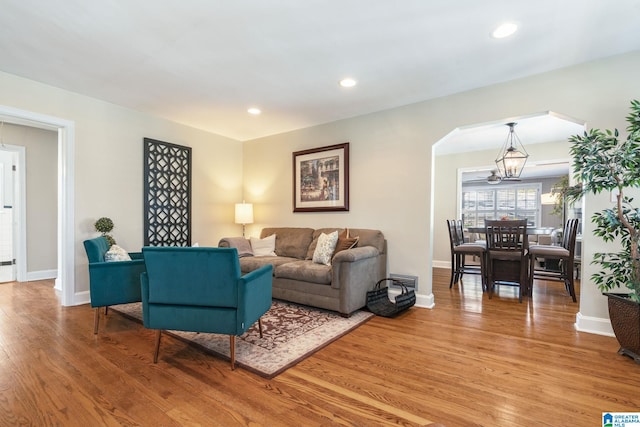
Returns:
(111, 283)
(202, 290)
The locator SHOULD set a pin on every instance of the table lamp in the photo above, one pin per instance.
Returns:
(244, 214)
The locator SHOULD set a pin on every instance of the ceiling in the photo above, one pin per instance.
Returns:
(533, 129)
(203, 63)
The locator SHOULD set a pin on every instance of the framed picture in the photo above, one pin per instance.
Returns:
(321, 179)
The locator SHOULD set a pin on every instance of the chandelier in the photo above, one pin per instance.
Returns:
(512, 157)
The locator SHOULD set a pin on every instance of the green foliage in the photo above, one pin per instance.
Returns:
(104, 225)
(603, 162)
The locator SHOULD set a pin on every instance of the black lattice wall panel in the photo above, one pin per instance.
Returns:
(167, 194)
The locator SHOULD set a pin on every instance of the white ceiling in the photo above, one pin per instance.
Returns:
(204, 62)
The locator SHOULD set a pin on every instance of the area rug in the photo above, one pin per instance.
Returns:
(291, 333)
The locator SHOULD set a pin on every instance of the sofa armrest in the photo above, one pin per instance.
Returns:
(355, 254)
(354, 272)
(116, 282)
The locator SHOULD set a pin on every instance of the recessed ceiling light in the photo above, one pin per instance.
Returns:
(348, 82)
(253, 110)
(504, 30)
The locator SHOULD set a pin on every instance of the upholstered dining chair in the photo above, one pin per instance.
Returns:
(507, 259)
(459, 252)
(111, 283)
(201, 289)
(565, 253)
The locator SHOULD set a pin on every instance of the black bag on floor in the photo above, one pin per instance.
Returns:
(378, 301)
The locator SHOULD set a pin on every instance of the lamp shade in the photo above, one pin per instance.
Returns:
(244, 213)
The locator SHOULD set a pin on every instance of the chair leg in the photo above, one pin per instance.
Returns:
(453, 270)
(157, 349)
(483, 272)
(260, 326)
(96, 320)
(570, 281)
(490, 283)
(232, 346)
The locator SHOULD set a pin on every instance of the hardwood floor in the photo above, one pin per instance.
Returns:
(470, 361)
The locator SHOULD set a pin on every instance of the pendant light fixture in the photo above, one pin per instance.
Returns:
(512, 157)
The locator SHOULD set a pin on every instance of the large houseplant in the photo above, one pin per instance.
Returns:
(603, 161)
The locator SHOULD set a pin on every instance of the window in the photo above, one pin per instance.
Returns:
(494, 202)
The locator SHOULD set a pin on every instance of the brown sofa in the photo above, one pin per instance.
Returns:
(341, 286)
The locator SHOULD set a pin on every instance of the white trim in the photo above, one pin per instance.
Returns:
(594, 325)
(65, 282)
(41, 275)
(425, 301)
(441, 264)
(20, 213)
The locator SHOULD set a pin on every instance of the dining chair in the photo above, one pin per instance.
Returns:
(459, 252)
(507, 245)
(564, 253)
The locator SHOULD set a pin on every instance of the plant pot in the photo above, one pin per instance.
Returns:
(625, 320)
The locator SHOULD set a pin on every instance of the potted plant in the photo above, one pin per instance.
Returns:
(104, 225)
(603, 161)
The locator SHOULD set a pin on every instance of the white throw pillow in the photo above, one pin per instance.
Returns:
(116, 253)
(264, 247)
(324, 249)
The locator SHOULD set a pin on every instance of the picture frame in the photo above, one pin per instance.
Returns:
(321, 179)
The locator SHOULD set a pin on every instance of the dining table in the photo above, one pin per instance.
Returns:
(508, 267)
(530, 231)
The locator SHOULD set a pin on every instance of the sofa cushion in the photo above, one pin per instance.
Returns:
(316, 236)
(263, 247)
(290, 241)
(116, 253)
(345, 242)
(306, 271)
(369, 237)
(325, 248)
(248, 264)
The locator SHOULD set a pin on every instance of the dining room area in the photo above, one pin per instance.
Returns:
(473, 188)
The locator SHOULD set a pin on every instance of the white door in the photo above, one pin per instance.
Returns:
(7, 216)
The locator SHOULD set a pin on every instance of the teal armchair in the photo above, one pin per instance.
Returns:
(202, 290)
(111, 283)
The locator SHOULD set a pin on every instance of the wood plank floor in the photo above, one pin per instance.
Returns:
(470, 361)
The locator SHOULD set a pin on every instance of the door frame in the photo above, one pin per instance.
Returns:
(65, 280)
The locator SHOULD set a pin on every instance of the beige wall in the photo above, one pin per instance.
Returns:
(391, 172)
(108, 166)
(41, 164)
(391, 157)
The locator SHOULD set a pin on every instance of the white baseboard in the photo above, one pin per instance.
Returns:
(41, 275)
(594, 325)
(441, 264)
(423, 301)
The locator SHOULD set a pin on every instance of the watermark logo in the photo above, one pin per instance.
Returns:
(621, 419)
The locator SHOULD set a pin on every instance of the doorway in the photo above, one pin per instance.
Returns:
(65, 281)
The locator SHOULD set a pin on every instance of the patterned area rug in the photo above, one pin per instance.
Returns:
(291, 333)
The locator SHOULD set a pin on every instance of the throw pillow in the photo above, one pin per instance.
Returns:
(264, 247)
(116, 253)
(345, 242)
(324, 249)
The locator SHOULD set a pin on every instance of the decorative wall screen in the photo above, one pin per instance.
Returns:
(167, 194)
